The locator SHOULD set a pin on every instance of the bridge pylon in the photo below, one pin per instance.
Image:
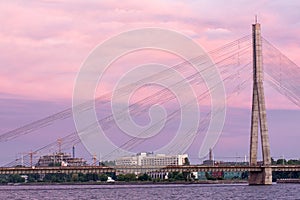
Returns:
(259, 116)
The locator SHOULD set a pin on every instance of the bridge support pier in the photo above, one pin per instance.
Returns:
(261, 178)
(259, 117)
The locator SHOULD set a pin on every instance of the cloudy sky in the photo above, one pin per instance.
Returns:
(43, 44)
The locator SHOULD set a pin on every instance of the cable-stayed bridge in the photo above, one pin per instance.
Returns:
(235, 61)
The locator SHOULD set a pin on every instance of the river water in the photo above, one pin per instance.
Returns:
(146, 192)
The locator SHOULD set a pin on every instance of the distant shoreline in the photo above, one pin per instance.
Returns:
(204, 182)
(133, 183)
(288, 181)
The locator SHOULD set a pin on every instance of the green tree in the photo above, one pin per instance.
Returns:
(273, 162)
(171, 176)
(126, 177)
(121, 177)
(179, 177)
(281, 162)
(15, 178)
(144, 177)
(3, 180)
(82, 177)
(130, 177)
(186, 161)
(57, 178)
(176, 176)
(33, 178)
(187, 176)
(103, 177)
(293, 162)
(92, 177)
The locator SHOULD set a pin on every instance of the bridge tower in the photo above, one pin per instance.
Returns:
(259, 118)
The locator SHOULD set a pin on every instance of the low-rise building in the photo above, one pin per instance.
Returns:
(150, 159)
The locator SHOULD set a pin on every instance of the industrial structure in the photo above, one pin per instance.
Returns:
(60, 159)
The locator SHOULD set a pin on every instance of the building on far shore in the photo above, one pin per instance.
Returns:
(60, 159)
(150, 159)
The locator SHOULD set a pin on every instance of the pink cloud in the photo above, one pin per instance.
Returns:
(51, 37)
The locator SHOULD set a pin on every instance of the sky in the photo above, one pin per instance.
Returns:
(44, 43)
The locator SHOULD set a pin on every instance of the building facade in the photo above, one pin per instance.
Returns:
(61, 159)
(150, 159)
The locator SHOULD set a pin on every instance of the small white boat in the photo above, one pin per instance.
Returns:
(110, 180)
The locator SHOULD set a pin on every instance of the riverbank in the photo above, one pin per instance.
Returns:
(206, 182)
(288, 181)
(135, 182)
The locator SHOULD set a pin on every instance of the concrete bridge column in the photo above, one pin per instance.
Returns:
(259, 117)
(261, 178)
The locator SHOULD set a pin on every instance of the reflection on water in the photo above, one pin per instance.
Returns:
(145, 192)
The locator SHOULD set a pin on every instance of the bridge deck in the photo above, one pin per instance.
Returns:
(130, 169)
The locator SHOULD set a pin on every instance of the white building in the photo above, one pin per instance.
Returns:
(127, 161)
(149, 159)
